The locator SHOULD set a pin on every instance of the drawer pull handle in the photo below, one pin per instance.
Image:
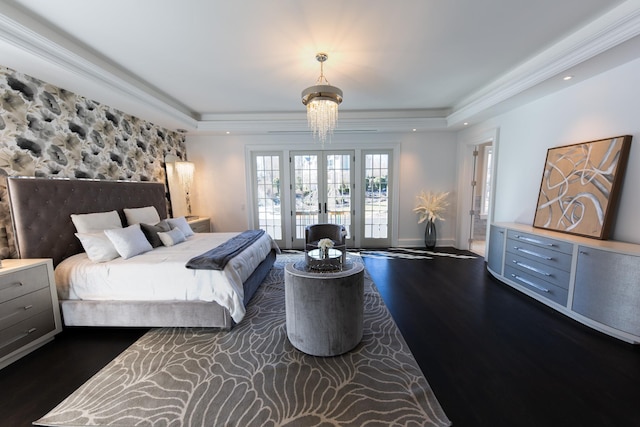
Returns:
(528, 267)
(10, 285)
(532, 253)
(32, 330)
(536, 241)
(530, 283)
(28, 307)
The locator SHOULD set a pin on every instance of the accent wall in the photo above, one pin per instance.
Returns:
(47, 131)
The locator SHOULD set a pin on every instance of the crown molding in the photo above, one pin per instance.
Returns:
(46, 49)
(607, 32)
(348, 122)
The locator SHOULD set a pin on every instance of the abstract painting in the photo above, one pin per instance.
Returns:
(580, 187)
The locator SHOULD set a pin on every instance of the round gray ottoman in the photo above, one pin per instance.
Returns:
(324, 310)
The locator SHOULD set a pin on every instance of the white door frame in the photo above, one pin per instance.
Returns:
(286, 185)
(322, 189)
(466, 146)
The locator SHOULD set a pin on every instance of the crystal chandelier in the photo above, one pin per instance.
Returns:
(322, 102)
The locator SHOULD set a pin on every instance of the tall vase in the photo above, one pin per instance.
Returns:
(430, 235)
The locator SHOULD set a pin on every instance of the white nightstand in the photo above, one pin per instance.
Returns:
(200, 224)
(29, 311)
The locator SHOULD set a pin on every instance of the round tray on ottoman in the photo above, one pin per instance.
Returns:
(319, 260)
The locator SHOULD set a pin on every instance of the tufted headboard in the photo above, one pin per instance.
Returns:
(41, 210)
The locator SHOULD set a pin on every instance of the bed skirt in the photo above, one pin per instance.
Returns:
(159, 313)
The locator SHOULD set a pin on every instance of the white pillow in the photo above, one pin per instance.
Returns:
(182, 224)
(96, 222)
(98, 246)
(173, 237)
(146, 215)
(129, 241)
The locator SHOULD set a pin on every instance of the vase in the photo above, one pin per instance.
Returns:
(430, 235)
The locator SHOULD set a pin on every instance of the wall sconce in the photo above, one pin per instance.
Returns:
(184, 171)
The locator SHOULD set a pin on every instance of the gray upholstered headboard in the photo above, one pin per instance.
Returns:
(41, 210)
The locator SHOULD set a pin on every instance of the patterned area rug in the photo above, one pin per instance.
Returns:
(253, 376)
(408, 253)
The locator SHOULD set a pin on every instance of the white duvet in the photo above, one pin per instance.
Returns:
(161, 275)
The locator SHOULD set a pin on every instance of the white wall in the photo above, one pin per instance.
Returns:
(604, 106)
(219, 181)
(427, 161)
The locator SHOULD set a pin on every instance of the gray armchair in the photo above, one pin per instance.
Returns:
(336, 232)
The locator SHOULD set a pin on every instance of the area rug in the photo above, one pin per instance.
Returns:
(252, 376)
(409, 253)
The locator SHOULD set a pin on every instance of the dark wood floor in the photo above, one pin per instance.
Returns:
(493, 356)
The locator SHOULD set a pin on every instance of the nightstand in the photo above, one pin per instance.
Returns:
(200, 224)
(29, 311)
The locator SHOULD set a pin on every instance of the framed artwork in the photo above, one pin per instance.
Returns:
(580, 187)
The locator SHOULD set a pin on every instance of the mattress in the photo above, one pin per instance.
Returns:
(161, 275)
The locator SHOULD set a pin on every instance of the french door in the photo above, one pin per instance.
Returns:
(349, 187)
(322, 191)
(376, 199)
(267, 178)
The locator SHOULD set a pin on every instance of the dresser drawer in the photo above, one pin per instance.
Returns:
(542, 254)
(541, 241)
(22, 333)
(538, 269)
(540, 287)
(21, 308)
(22, 282)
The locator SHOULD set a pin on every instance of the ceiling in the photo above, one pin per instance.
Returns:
(240, 66)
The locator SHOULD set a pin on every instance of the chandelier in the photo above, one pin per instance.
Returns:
(322, 102)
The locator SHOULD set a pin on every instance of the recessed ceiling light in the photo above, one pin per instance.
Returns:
(465, 124)
(567, 78)
(228, 132)
(414, 130)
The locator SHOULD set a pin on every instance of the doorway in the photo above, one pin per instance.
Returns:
(322, 191)
(290, 189)
(481, 186)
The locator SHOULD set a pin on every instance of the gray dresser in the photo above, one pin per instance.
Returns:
(593, 281)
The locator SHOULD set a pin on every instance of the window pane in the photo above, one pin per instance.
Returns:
(339, 190)
(376, 196)
(268, 195)
(306, 191)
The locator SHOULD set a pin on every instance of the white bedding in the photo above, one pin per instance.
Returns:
(161, 275)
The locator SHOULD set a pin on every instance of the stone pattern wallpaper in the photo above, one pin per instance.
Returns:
(46, 131)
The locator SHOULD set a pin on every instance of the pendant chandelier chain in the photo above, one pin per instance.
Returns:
(322, 79)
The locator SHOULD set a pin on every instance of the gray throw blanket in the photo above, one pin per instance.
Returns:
(218, 257)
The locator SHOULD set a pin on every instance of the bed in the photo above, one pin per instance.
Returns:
(41, 212)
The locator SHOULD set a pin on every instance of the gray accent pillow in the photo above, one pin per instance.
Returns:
(151, 232)
(129, 241)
